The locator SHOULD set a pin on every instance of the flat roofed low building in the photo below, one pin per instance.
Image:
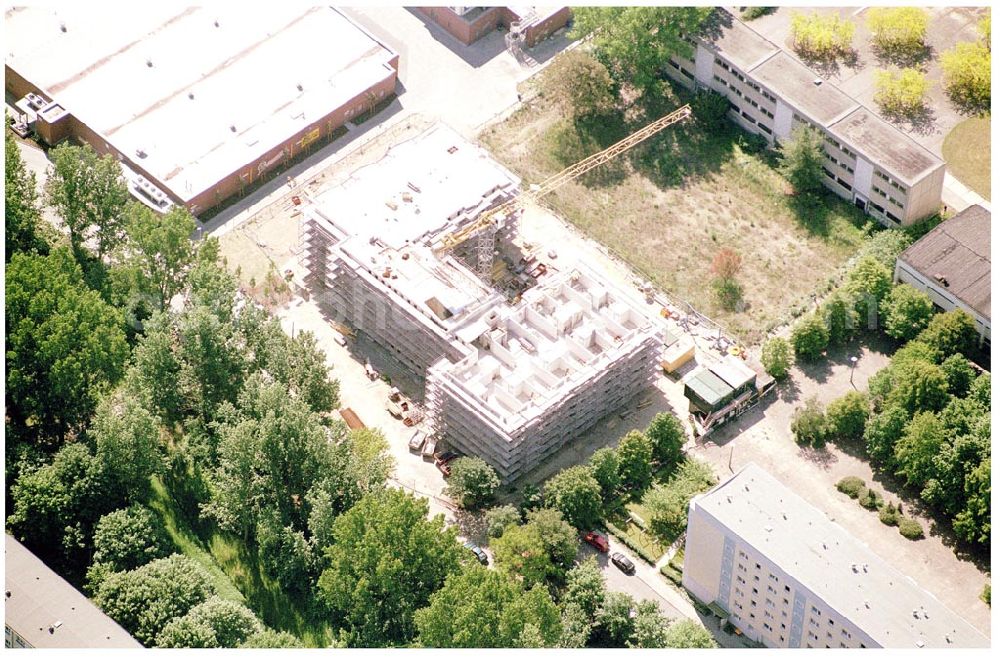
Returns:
(201, 101)
(42, 610)
(803, 89)
(787, 576)
(951, 264)
(469, 24)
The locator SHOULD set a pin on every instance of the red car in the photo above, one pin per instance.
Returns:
(596, 540)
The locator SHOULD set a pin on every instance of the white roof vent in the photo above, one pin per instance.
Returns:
(149, 62)
(818, 81)
(62, 27)
(920, 643)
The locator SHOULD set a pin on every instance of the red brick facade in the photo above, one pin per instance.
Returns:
(468, 31)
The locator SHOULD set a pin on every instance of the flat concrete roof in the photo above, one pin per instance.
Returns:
(795, 82)
(738, 43)
(957, 250)
(203, 91)
(882, 144)
(39, 599)
(838, 568)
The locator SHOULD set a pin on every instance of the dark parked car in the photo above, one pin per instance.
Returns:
(478, 551)
(442, 458)
(623, 563)
(597, 540)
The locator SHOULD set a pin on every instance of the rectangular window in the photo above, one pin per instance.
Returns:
(748, 118)
(828, 172)
(892, 217)
(734, 107)
(787, 589)
(753, 602)
(764, 128)
(687, 74)
(843, 183)
(754, 591)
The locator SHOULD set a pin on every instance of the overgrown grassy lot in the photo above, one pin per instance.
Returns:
(669, 205)
(966, 149)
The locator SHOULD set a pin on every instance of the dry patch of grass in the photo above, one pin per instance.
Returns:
(966, 149)
(668, 206)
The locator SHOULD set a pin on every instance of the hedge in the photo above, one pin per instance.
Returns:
(910, 528)
(851, 486)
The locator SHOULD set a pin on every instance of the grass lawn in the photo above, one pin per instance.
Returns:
(966, 149)
(670, 204)
(235, 571)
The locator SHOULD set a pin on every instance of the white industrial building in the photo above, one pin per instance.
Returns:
(870, 163)
(509, 378)
(788, 577)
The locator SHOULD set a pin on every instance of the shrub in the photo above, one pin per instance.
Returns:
(579, 84)
(809, 424)
(750, 13)
(951, 332)
(967, 75)
(898, 29)
(910, 528)
(820, 36)
(499, 518)
(888, 515)
(802, 159)
(728, 293)
(776, 357)
(472, 482)
(870, 499)
(810, 337)
(901, 94)
(985, 595)
(710, 108)
(851, 486)
(869, 281)
(840, 317)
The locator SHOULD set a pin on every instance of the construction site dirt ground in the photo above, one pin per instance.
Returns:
(672, 203)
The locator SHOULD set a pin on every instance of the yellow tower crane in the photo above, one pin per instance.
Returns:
(487, 223)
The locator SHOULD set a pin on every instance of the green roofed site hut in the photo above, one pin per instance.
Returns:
(723, 390)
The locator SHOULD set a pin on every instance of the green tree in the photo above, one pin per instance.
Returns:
(636, 42)
(21, 214)
(385, 561)
(521, 552)
(809, 424)
(650, 627)
(840, 317)
(668, 503)
(821, 36)
(898, 30)
(635, 457)
(901, 93)
(710, 108)
(212, 363)
(128, 447)
(967, 76)
(802, 159)
(810, 337)
(472, 482)
(869, 282)
(725, 266)
(776, 357)
(959, 374)
(576, 627)
(667, 435)
(287, 556)
(919, 386)
(144, 600)
(65, 345)
(585, 588)
(915, 351)
(847, 415)
(882, 432)
(980, 390)
(159, 249)
(559, 538)
(270, 639)
(128, 538)
(210, 284)
(229, 623)
(89, 193)
(604, 466)
(686, 633)
(915, 451)
(500, 518)
(480, 608)
(906, 312)
(985, 31)
(154, 374)
(615, 620)
(576, 494)
(951, 332)
(973, 523)
(579, 85)
(886, 245)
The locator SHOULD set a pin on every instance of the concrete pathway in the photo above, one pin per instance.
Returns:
(957, 196)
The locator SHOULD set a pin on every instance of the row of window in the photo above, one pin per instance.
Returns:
(843, 165)
(891, 182)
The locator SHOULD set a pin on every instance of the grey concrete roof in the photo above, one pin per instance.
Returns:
(38, 600)
(958, 251)
(740, 44)
(893, 150)
(837, 567)
(795, 82)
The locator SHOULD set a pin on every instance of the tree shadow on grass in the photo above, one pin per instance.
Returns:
(822, 456)
(818, 370)
(472, 524)
(811, 211)
(789, 390)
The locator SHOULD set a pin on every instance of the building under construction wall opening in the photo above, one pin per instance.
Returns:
(514, 363)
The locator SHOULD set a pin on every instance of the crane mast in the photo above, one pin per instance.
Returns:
(485, 224)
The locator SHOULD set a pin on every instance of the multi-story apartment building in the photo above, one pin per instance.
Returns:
(869, 162)
(510, 379)
(788, 577)
(42, 610)
(951, 264)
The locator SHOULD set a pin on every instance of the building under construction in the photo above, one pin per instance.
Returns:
(516, 358)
